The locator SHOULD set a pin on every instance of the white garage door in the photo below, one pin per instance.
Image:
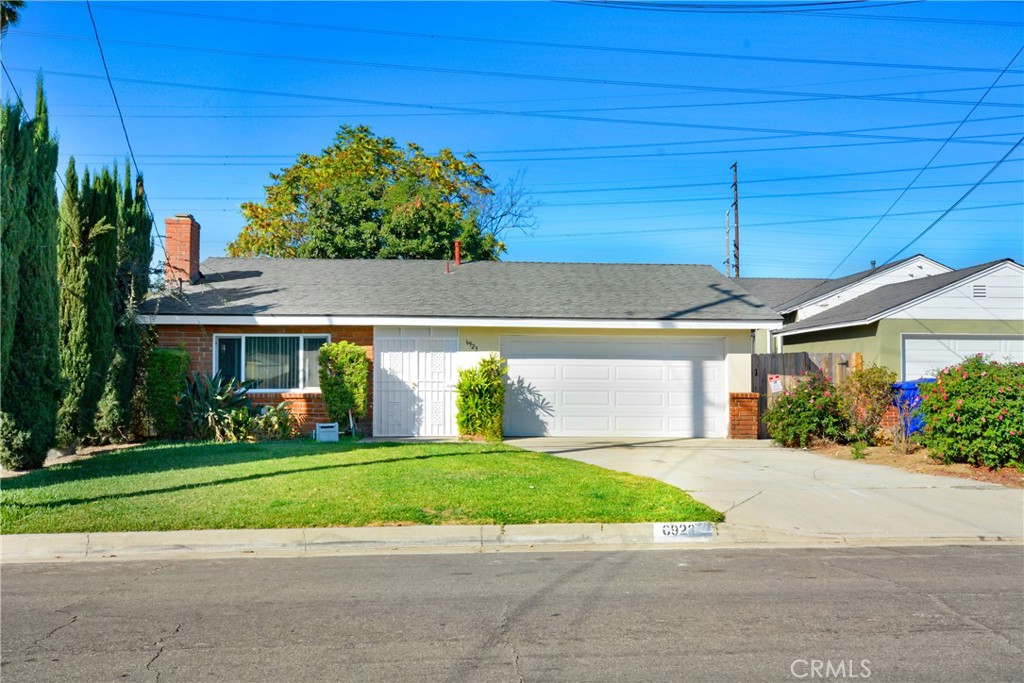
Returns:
(923, 355)
(607, 386)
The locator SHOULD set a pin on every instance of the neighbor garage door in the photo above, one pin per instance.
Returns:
(923, 355)
(607, 386)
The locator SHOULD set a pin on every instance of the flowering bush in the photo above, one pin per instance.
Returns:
(811, 411)
(974, 413)
(867, 394)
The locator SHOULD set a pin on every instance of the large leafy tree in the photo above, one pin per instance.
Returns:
(366, 197)
(31, 382)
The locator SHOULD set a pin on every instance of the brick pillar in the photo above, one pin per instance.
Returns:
(182, 242)
(743, 417)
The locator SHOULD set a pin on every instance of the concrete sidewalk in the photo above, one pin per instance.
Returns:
(142, 545)
(789, 492)
(772, 497)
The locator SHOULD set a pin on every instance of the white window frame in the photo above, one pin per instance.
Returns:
(302, 358)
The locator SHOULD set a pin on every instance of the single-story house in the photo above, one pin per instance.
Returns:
(929, 318)
(592, 349)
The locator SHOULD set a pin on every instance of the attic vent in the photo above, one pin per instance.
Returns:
(980, 292)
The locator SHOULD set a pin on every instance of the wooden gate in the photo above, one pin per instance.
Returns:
(791, 367)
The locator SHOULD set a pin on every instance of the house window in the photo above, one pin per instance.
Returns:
(272, 362)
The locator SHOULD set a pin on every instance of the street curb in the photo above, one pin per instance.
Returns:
(21, 548)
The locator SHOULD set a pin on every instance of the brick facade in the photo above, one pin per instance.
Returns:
(308, 407)
(743, 415)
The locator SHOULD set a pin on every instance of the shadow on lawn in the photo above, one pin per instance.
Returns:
(231, 480)
(170, 457)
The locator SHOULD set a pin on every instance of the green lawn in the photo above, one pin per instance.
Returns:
(306, 484)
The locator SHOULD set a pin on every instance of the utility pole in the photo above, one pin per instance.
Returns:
(736, 218)
(728, 246)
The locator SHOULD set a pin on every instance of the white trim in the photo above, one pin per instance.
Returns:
(301, 361)
(869, 276)
(904, 306)
(564, 323)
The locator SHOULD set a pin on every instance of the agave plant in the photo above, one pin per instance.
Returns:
(210, 406)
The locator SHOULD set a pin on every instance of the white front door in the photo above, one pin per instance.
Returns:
(615, 386)
(414, 382)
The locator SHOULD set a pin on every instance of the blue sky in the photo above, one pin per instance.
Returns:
(623, 123)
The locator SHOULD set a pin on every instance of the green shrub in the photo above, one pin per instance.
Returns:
(811, 411)
(275, 423)
(216, 408)
(344, 380)
(16, 452)
(480, 399)
(867, 394)
(974, 413)
(166, 373)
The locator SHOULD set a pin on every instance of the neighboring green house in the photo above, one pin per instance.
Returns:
(914, 327)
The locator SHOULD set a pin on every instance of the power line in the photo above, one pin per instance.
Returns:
(546, 44)
(925, 167)
(786, 195)
(291, 155)
(812, 221)
(660, 7)
(498, 112)
(685, 185)
(557, 78)
(957, 202)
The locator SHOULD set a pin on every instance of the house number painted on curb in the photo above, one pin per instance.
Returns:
(668, 532)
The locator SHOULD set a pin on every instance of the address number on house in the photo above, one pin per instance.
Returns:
(668, 532)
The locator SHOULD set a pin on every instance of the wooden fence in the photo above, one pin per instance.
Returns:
(791, 367)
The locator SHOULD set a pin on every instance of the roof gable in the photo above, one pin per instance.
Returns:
(880, 302)
(829, 288)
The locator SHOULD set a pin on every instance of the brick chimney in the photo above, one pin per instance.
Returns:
(182, 244)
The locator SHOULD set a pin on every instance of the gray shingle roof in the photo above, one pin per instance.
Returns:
(819, 288)
(278, 287)
(878, 301)
(778, 291)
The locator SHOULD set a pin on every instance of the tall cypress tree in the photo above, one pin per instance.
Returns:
(134, 253)
(16, 160)
(31, 383)
(88, 259)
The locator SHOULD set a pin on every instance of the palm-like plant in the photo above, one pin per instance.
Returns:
(210, 406)
(10, 12)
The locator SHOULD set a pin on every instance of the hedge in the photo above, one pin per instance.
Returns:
(344, 380)
(166, 373)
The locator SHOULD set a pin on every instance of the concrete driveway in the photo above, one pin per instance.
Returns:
(793, 492)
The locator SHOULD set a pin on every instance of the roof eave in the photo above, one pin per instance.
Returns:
(454, 321)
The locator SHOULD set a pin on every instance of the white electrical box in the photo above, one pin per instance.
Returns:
(327, 431)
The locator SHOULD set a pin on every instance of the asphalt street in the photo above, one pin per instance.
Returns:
(931, 613)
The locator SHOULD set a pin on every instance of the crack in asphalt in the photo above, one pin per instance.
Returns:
(161, 646)
(506, 639)
(969, 621)
(39, 641)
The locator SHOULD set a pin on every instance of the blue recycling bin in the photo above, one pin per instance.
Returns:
(906, 399)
